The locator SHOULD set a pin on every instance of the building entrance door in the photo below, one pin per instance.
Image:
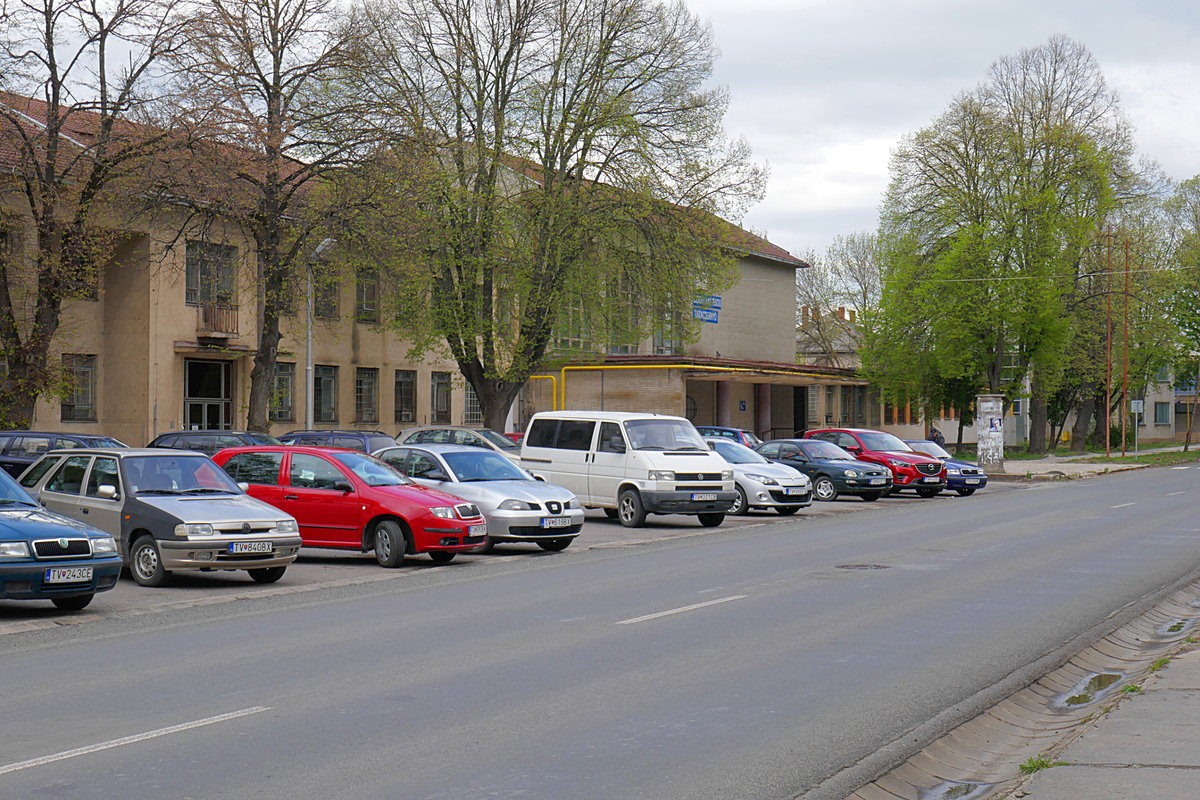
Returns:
(207, 395)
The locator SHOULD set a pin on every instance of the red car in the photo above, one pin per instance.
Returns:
(910, 469)
(348, 500)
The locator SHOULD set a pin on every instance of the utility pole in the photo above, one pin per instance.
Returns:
(1108, 346)
(1125, 355)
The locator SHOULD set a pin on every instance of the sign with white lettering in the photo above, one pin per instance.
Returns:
(707, 309)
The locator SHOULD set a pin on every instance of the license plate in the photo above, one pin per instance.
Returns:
(877, 481)
(931, 480)
(556, 522)
(794, 490)
(705, 496)
(971, 480)
(67, 575)
(477, 530)
(251, 547)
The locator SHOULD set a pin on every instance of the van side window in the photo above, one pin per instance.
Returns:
(611, 440)
(542, 433)
(575, 434)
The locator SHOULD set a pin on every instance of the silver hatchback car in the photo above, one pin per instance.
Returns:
(762, 483)
(518, 507)
(168, 510)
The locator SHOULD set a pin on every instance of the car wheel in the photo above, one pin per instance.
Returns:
(823, 489)
(966, 492)
(389, 544)
(145, 564)
(710, 520)
(442, 557)
(554, 545)
(928, 492)
(630, 510)
(611, 513)
(786, 511)
(267, 574)
(740, 505)
(75, 603)
(488, 546)
(871, 497)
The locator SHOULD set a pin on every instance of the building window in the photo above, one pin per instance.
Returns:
(406, 396)
(472, 411)
(283, 393)
(366, 299)
(325, 393)
(668, 336)
(366, 395)
(325, 299)
(572, 333)
(1162, 413)
(440, 385)
(79, 404)
(210, 273)
(1163, 374)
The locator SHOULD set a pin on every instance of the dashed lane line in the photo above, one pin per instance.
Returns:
(683, 609)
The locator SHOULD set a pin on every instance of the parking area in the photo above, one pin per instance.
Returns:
(319, 569)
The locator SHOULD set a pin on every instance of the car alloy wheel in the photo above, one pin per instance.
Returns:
(823, 489)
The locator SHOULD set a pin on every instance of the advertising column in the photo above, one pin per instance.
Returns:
(989, 431)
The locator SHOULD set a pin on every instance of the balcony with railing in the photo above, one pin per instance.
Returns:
(217, 320)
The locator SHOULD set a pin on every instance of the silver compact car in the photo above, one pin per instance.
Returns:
(168, 510)
(518, 507)
(762, 483)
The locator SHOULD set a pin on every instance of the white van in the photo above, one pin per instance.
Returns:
(630, 464)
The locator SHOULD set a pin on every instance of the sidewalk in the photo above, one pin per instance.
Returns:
(1147, 747)
(1054, 467)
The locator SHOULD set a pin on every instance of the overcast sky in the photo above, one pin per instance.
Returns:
(824, 89)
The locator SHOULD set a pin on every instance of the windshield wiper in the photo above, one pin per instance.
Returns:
(8, 501)
(691, 448)
(159, 491)
(205, 490)
(650, 447)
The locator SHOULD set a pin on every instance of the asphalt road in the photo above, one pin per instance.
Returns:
(766, 661)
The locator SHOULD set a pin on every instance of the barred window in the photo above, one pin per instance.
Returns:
(325, 393)
(440, 385)
(79, 404)
(366, 394)
(406, 395)
(283, 393)
(472, 412)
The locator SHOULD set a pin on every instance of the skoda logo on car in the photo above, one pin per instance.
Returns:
(62, 543)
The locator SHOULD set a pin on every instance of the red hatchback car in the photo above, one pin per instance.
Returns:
(910, 469)
(348, 500)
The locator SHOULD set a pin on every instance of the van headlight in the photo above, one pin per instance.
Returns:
(194, 529)
(287, 526)
(661, 475)
(103, 545)
(14, 550)
(727, 475)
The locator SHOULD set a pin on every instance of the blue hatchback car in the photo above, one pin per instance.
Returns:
(46, 556)
(961, 476)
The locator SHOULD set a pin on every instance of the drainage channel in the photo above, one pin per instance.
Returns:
(981, 759)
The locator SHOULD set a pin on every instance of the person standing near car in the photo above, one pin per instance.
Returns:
(936, 437)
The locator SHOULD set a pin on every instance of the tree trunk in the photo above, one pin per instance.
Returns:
(1098, 427)
(1038, 418)
(495, 399)
(1083, 421)
(263, 373)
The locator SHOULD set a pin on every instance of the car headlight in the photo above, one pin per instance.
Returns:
(850, 473)
(194, 529)
(287, 526)
(660, 475)
(445, 512)
(514, 505)
(14, 550)
(726, 474)
(898, 464)
(103, 545)
(952, 472)
(572, 503)
(764, 479)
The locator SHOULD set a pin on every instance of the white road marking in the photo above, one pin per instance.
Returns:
(1123, 505)
(681, 610)
(1172, 494)
(1180, 467)
(141, 737)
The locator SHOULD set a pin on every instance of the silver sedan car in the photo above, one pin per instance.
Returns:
(518, 507)
(762, 483)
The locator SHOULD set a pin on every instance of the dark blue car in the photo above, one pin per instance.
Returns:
(961, 476)
(46, 556)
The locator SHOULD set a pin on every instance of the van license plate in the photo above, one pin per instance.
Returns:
(556, 522)
(705, 496)
(67, 575)
(251, 547)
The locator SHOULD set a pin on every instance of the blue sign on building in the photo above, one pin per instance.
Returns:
(707, 309)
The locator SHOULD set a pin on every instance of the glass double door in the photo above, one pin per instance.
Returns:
(207, 395)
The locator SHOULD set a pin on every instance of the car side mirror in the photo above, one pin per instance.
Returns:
(106, 492)
(853, 449)
(342, 486)
(245, 487)
(616, 444)
(436, 475)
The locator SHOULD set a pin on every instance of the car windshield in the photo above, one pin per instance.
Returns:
(815, 448)
(182, 474)
(736, 453)
(262, 438)
(371, 470)
(878, 440)
(11, 493)
(928, 448)
(663, 434)
(753, 440)
(503, 442)
(483, 465)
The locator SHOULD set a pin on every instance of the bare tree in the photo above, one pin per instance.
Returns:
(572, 161)
(79, 72)
(841, 286)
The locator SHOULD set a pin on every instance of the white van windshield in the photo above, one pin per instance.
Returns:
(663, 434)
